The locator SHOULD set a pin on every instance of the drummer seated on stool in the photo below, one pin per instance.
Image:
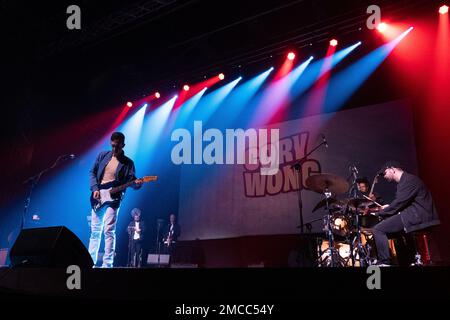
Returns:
(412, 209)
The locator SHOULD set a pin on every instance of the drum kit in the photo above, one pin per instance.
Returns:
(346, 224)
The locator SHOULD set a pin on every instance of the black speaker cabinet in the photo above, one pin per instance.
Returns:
(49, 247)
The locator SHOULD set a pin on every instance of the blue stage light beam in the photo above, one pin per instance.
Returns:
(211, 102)
(153, 127)
(346, 82)
(132, 131)
(277, 95)
(239, 99)
(315, 70)
(181, 115)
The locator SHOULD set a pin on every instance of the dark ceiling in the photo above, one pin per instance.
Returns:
(126, 49)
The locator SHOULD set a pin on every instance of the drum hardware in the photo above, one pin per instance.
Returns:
(356, 203)
(297, 167)
(328, 184)
(347, 222)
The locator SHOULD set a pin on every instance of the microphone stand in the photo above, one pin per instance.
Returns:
(130, 234)
(33, 181)
(158, 241)
(297, 166)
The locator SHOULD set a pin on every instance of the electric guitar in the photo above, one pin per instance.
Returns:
(168, 241)
(367, 209)
(112, 195)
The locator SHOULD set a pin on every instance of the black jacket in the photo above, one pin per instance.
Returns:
(176, 231)
(125, 170)
(414, 202)
(130, 229)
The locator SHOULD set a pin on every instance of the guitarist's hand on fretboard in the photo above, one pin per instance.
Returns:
(139, 182)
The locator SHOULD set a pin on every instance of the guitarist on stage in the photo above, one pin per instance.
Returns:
(110, 167)
(171, 233)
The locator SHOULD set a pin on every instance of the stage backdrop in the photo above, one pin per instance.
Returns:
(221, 201)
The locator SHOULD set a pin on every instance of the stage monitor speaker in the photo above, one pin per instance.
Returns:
(49, 247)
(161, 259)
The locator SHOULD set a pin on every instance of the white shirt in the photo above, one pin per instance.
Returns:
(110, 170)
(136, 235)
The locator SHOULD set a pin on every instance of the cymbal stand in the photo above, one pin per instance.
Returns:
(297, 167)
(359, 249)
(327, 222)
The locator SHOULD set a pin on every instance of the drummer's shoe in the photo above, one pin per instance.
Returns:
(375, 262)
(381, 264)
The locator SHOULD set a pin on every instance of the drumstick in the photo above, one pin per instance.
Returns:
(372, 200)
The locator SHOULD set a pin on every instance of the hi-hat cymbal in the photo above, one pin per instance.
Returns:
(327, 181)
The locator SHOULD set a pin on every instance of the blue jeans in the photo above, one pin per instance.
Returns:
(103, 220)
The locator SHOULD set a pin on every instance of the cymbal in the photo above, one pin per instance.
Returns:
(357, 202)
(321, 182)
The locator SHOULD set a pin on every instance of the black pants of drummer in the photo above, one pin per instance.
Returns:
(390, 225)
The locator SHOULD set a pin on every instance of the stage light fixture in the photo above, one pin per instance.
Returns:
(382, 27)
(333, 42)
(443, 9)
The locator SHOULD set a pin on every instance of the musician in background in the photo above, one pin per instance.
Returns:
(171, 233)
(364, 188)
(136, 230)
(412, 209)
(109, 166)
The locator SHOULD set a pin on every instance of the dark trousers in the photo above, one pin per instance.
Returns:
(136, 253)
(390, 225)
(168, 249)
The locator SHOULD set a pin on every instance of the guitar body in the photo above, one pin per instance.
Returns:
(106, 198)
(111, 194)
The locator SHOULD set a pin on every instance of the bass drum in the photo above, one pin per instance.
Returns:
(340, 225)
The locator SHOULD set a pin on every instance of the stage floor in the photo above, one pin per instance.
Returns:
(265, 284)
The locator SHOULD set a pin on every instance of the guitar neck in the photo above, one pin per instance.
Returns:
(375, 180)
(121, 188)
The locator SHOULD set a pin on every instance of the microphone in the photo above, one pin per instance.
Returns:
(380, 173)
(324, 141)
(68, 156)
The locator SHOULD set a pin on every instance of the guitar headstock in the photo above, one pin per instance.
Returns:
(149, 178)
